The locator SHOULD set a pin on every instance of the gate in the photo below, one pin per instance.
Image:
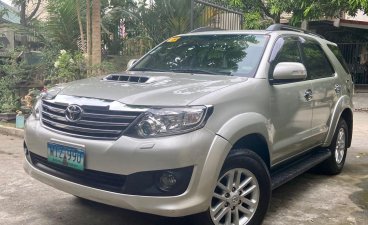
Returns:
(356, 56)
(216, 14)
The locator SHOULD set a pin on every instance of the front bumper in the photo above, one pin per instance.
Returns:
(202, 150)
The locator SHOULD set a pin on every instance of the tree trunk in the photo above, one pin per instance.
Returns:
(96, 32)
(24, 19)
(277, 18)
(35, 10)
(78, 8)
(22, 13)
(88, 27)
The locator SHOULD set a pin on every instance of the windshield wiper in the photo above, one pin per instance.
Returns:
(197, 71)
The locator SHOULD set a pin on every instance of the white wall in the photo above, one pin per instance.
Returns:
(360, 16)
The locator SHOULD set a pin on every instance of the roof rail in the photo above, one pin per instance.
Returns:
(276, 27)
(204, 29)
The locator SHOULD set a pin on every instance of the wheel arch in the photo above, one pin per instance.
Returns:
(347, 115)
(343, 109)
(252, 131)
(256, 143)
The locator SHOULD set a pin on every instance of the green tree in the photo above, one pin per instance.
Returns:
(25, 18)
(316, 9)
(260, 13)
(62, 25)
(115, 11)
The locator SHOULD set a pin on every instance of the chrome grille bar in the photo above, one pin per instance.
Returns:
(96, 122)
(53, 109)
(95, 115)
(80, 129)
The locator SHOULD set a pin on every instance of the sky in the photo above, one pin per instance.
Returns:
(7, 1)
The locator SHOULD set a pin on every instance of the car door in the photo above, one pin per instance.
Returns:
(290, 105)
(325, 86)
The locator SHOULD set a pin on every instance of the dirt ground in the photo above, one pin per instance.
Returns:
(308, 199)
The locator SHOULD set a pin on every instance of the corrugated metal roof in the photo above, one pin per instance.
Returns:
(12, 14)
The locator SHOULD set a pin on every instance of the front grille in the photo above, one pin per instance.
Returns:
(97, 122)
(96, 179)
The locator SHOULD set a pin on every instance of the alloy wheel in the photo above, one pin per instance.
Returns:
(235, 199)
(340, 146)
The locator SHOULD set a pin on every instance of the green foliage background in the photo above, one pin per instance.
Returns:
(149, 24)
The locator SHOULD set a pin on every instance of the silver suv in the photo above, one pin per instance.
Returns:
(206, 123)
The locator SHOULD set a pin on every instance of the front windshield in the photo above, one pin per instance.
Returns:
(235, 55)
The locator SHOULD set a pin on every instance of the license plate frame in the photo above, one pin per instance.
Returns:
(71, 156)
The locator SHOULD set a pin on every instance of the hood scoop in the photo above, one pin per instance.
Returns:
(126, 78)
(133, 79)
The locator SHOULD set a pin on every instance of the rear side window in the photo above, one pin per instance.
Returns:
(336, 51)
(315, 60)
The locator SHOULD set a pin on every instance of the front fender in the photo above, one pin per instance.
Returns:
(343, 103)
(232, 131)
(245, 124)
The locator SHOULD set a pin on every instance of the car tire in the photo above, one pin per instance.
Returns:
(335, 163)
(242, 194)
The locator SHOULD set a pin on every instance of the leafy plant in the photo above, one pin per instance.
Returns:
(62, 24)
(9, 100)
(68, 67)
(172, 17)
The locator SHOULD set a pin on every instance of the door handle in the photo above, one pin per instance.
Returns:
(337, 88)
(308, 94)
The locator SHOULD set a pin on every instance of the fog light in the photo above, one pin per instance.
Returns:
(167, 181)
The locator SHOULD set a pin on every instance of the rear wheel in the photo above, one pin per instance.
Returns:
(242, 192)
(338, 148)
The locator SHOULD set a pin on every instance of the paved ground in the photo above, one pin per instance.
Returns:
(308, 199)
(360, 100)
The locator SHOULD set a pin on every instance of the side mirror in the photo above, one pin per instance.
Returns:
(289, 71)
(131, 63)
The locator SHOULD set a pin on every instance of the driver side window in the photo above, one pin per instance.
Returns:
(286, 49)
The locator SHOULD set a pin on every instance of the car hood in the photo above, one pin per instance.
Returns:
(165, 89)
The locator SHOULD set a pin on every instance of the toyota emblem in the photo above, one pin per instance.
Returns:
(73, 113)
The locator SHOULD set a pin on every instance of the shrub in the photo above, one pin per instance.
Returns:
(68, 67)
(9, 100)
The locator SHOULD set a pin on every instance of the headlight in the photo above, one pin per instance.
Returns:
(170, 121)
(37, 108)
(50, 94)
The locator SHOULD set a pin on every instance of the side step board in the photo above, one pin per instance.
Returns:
(281, 176)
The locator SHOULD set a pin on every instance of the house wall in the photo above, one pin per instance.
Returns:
(7, 35)
(360, 16)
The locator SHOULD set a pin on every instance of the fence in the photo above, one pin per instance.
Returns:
(198, 13)
(215, 14)
(356, 56)
(137, 46)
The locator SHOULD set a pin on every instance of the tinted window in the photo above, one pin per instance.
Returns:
(236, 55)
(336, 51)
(315, 60)
(286, 49)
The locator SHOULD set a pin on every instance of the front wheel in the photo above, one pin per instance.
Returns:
(242, 192)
